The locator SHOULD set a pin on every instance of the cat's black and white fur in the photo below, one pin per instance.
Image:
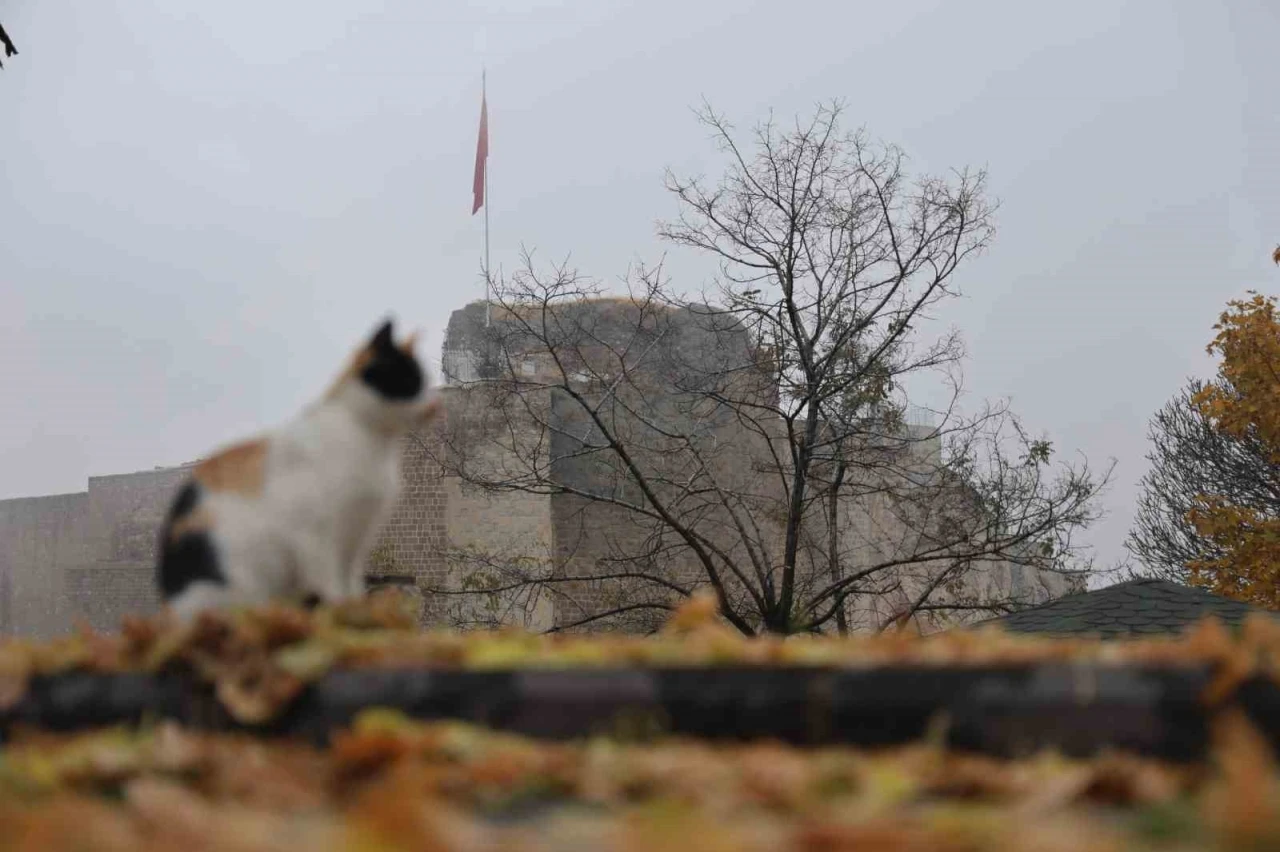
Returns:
(295, 513)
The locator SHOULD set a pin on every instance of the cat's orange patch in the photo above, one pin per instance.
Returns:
(238, 469)
(354, 367)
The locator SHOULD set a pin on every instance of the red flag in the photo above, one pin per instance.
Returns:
(482, 155)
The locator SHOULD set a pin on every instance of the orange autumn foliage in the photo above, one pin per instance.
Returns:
(1243, 402)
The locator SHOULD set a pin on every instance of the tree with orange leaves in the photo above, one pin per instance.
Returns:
(1243, 403)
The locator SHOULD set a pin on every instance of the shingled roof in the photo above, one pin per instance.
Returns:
(1144, 606)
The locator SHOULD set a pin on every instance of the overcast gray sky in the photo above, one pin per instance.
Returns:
(204, 205)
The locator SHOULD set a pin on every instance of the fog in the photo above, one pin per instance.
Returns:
(204, 206)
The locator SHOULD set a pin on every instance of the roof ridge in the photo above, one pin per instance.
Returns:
(1142, 581)
(1137, 605)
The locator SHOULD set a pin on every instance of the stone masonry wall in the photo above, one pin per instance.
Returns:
(593, 540)
(876, 528)
(492, 536)
(87, 556)
(101, 594)
(410, 548)
(39, 538)
(90, 557)
(123, 518)
(125, 512)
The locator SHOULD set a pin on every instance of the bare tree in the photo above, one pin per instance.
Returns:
(753, 439)
(1190, 457)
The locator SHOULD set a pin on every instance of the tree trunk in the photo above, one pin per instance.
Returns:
(833, 542)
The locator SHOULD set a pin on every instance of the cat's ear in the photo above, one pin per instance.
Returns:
(410, 343)
(382, 339)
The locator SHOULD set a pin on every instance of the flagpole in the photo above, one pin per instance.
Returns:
(484, 96)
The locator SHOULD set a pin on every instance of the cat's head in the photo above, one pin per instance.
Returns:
(386, 383)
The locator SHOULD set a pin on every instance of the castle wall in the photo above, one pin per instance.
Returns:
(410, 549)
(103, 593)
(492, 537)
(39, 538)
(86, 557)
(90, 556)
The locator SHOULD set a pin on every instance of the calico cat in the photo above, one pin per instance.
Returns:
(294, 514)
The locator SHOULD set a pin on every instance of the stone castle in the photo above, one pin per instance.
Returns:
(89, 557)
